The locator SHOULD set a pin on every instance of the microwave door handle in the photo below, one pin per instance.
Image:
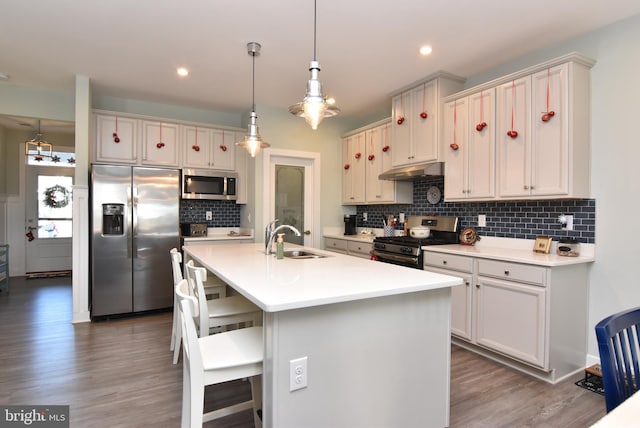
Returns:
(225, 191)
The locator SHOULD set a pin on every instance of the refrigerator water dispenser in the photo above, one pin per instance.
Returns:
(113, 219)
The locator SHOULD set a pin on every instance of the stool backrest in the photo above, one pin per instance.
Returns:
(176, 261)
(619, 346)
(188, 303)
(196, 276)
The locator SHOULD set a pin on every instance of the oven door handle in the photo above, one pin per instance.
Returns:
(396, 257)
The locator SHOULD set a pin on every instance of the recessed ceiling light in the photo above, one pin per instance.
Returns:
(183, 71)
(426, 50)
(4, 76)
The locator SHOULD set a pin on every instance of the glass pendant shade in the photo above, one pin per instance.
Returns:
(314, 107)
(252, 142)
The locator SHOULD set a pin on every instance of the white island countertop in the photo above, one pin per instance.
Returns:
(278, 285)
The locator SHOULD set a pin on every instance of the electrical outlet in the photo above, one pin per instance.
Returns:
(401, 218)
(209, 215)
(298, 373)
(364, 216)
(482, 220)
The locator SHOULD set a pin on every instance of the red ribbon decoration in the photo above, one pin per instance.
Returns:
(385, 148)
(116, 139)
(454, 145)
(371, 156)
(549, 113)
(196, 147)
(222, 146)
(424, 114)
(160, 144)
(400, 120)
(482, 124)
(513, 133)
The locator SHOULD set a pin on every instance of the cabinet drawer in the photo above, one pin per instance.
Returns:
(512, 271)
(448, 261)
(335, 244)
(359, 247)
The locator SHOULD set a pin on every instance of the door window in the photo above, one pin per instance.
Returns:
(55, 206)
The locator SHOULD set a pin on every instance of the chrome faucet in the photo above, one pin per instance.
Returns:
(275, 231)
(268, 229)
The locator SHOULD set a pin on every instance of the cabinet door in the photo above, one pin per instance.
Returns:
(378, 160)
(481, 153)
(196, 147)
(461, 302)
(514, 165)
(401, 153)
(116, 139)
(424, 99)
(223, 149)
(455, 147)
(550, 138)
(523, 336)
(353, 190)
(159, 143)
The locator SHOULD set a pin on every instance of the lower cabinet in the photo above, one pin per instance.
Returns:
(360, 248)
(528, 316)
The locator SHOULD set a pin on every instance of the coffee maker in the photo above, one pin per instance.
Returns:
(349, 224)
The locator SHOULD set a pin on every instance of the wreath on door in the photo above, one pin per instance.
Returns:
(57, 196)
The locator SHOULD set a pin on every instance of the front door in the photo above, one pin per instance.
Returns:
(49, 218)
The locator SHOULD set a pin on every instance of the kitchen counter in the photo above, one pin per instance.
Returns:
(359, 324)
(505, 251)
(278, 285)
(221, 234)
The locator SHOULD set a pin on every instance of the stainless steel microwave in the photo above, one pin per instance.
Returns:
(209, 184)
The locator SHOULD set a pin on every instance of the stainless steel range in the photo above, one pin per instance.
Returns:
(406, 250)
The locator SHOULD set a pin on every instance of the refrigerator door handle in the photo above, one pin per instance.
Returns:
(134, 199)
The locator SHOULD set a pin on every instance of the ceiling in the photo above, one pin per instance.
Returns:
(367, 49)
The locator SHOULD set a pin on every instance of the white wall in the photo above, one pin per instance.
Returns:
(615, 150)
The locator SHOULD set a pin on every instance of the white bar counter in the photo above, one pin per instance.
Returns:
(376, 336)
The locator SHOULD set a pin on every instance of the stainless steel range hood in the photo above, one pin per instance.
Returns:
(413, 172)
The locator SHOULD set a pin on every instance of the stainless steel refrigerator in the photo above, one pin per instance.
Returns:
(134, 223)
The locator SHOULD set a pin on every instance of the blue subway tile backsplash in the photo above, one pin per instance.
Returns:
(225, 213)
(507, 219)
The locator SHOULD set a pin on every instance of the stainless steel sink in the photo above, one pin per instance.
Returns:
(302, 254)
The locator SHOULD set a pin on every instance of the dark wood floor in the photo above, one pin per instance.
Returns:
(118, 373)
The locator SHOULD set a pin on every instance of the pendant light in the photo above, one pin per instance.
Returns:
(41, 147)
(252, 141)
(315, 106)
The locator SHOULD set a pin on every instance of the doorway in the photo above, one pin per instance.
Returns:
(49, 212)
(292, 180)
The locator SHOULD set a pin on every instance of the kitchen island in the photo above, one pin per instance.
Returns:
(376, 337)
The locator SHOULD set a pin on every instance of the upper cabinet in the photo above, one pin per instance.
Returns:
(208, 148)
(535, 144)
(543, 134)
(159, 143)
(366, 154)
(116, 139)
(469, 133)
(415, 120)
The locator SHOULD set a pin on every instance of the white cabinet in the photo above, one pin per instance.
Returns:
(336, 245)
(415, 116)
(160, 143)
(469, 129)
(208, 148)
(531, 317)
(462, 296)
(116, 139)
(550, 155)
(353, 169)
(378, 153)
(517, 293)
(357, 248)
(366, 155)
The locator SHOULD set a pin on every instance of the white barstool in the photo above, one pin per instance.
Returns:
(223, 312)
(209, 360)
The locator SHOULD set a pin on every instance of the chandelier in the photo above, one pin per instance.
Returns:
(38, 147)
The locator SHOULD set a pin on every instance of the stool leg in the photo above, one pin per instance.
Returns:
(256, 395)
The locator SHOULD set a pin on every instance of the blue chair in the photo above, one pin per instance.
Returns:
(619, 345)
